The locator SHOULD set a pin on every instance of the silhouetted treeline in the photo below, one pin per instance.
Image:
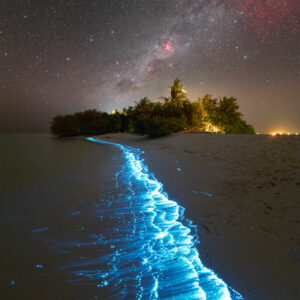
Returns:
(172, 114)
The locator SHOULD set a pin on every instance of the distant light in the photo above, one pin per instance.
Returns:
(276, 133)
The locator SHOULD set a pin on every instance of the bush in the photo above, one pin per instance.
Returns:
(158, 126)
(239, 127)
(65, 125)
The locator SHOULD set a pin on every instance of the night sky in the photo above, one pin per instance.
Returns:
(65, 56)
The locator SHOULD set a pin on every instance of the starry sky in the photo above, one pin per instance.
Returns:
(62, 56)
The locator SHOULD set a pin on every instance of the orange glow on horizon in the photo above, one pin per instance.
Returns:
(281, 132)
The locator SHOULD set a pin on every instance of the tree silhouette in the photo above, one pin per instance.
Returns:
(178, 93)
(229, 107)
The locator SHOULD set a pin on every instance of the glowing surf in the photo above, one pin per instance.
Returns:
(153, 253)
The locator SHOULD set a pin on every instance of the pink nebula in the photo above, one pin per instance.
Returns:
(168, 46)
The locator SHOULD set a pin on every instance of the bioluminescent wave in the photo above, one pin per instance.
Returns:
(146, 248)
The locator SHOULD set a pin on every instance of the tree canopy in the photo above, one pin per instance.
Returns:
(175, 113)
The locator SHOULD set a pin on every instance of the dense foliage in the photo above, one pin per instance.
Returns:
(173, 114)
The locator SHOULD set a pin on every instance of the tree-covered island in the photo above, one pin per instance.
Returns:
(173, 114)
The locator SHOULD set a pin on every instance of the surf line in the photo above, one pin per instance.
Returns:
(183, 275)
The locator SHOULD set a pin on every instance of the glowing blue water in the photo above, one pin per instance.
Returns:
(150, 250)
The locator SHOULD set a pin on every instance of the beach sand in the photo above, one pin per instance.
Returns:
(243, 193)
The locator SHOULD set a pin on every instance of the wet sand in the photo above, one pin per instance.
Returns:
(243, 193)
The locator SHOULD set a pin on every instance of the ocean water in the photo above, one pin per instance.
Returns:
(85, 219)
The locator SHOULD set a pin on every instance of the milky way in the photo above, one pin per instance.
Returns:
(65, 56)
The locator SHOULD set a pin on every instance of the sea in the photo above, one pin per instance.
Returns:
(84, 218)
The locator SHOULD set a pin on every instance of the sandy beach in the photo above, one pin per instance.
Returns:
(243, 193)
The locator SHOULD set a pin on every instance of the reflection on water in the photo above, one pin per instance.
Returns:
(80, 221)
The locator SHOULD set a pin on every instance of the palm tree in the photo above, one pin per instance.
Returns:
(229, 108)
(209, 106)
(177, 91)
(178, 94)
(143, 106)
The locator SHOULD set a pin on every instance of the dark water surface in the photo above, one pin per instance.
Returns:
(49, 190)
(85, 220)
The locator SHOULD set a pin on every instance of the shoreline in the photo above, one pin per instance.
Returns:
(245, 215)
(174, 230)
